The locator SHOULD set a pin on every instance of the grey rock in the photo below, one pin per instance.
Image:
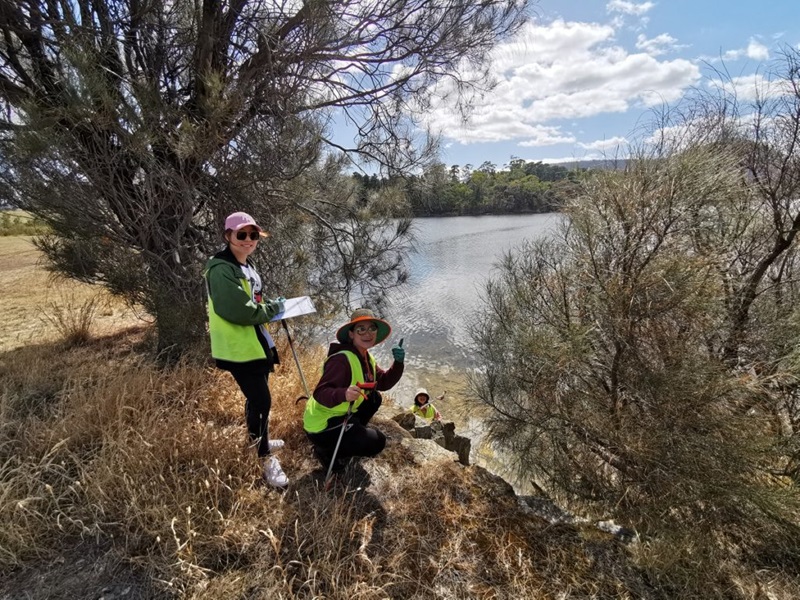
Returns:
(406, 420)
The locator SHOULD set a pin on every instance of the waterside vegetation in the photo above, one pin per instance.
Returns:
(519, 187)
(124, 477)
(643, 362)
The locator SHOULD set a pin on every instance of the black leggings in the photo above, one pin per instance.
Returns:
(358, 439)
(257, 403)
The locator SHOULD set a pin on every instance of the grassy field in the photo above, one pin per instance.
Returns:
(36, 306)
(18, 222)
(119, 478)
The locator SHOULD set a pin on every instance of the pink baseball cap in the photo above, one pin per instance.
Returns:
(237, 220)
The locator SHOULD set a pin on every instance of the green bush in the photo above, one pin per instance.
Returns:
(18, 223)
(607, 376)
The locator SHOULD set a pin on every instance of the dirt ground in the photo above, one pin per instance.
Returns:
(84, 571)
(28, 293)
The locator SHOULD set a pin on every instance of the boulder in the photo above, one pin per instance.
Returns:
(424, 451)
(406, 420)
(461, 445)
(418, 427)
(441, 432)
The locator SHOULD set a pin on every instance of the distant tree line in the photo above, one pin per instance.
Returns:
(519, 187)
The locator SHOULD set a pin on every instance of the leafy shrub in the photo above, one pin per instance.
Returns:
(20, 224)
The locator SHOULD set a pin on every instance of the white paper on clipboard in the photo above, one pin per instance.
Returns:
(295, 307)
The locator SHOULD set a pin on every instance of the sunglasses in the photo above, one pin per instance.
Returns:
(362, 329)
(243, 235)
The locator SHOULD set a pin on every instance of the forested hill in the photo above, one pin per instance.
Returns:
(518, 187)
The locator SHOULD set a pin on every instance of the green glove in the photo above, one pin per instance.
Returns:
(398, 353)
(275, 305)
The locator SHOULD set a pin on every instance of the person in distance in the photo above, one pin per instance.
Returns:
(423, 407)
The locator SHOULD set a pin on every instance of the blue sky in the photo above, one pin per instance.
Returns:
(583, 74)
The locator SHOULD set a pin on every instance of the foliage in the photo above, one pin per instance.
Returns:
(133, 128)
(20, 224)
(523, 187)
(640, 363)
(118, 475)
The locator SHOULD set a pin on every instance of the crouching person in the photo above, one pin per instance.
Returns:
(349, 363)
(423, 407)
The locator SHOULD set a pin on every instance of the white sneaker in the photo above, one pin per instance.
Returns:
(273, 474)
(275, 444)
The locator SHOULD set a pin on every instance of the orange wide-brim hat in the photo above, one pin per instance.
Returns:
(359, 315)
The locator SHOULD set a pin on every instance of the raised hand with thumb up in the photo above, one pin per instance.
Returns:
(398, 353)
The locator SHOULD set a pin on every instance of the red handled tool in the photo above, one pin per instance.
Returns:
(366, 385)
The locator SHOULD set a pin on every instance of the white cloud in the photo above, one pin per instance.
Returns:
(605, 145)
(629, 8)
(546, 136)
(755, 50)
(749, 88)
(563, 70)
(661, 44)
(570, 159)
(679, 136)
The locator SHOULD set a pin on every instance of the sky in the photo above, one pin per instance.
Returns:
(584, 76)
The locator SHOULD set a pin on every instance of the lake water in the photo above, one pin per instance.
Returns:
(432, 312)
(452, 260)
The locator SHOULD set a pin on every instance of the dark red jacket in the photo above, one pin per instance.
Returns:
(336, 375)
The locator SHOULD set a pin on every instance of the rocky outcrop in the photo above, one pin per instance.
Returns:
(443, 433)
(436, 439)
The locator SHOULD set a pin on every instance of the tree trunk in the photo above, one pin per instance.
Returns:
(177, 300)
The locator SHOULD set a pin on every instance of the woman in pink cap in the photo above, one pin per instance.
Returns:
(240, 343)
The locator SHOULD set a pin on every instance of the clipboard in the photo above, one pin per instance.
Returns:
(295, 307)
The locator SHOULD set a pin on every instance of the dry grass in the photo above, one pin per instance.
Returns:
(28, 295)
(150, 468)
(111, 447)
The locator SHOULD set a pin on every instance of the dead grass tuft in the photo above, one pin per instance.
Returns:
(72, 317)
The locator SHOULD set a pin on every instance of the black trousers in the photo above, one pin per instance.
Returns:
(358, 439)
(258, 401)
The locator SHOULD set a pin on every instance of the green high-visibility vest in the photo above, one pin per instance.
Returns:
(426, 412)
(230, 341)
(316, 415)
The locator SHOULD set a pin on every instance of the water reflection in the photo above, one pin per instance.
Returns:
(453, 259)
